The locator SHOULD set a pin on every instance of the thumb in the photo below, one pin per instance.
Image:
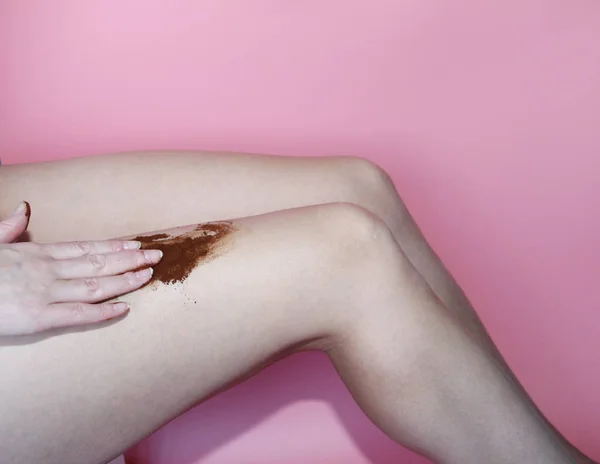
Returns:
(15, 225)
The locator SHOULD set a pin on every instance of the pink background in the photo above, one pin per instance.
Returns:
(486, 114)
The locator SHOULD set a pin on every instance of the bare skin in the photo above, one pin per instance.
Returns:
(352, 277)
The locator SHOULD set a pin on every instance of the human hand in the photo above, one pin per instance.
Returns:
(44, 286)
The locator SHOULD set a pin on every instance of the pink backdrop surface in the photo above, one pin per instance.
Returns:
(486, 114)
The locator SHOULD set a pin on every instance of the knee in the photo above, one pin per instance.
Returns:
(352, 231)
(354, 220)
(367, 184)
(364, 261)
(351, 269)
(364, 176)
(368, 170)
(367, 255)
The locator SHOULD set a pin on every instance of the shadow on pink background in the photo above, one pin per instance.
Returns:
(486, 114)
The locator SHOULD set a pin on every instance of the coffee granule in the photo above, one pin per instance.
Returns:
(182, 253)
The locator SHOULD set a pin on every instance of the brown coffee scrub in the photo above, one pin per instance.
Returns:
(182, 253)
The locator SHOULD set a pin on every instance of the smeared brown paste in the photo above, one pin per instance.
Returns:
(182, 253)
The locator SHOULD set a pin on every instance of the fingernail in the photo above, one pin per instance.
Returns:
(23, 208)
(132, 245)
(145, 273)
(120, 307)
(153, 255)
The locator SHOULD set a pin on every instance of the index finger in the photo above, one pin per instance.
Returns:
(70, 250)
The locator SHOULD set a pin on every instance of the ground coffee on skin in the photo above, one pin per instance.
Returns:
(182, 253)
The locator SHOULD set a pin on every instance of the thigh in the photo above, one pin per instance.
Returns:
(115, 195)
(86, 395)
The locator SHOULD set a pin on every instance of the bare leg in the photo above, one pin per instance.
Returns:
(116, 195)
(121, 194)
(233, 185)
(329, 277)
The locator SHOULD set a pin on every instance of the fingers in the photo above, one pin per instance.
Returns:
(70, 314)
(14, 226)
(77, 249)
(100, 265)
(97, 289)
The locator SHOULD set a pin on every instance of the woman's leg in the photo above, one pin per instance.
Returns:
(328, 277)
(116, 195)
(195, 187)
